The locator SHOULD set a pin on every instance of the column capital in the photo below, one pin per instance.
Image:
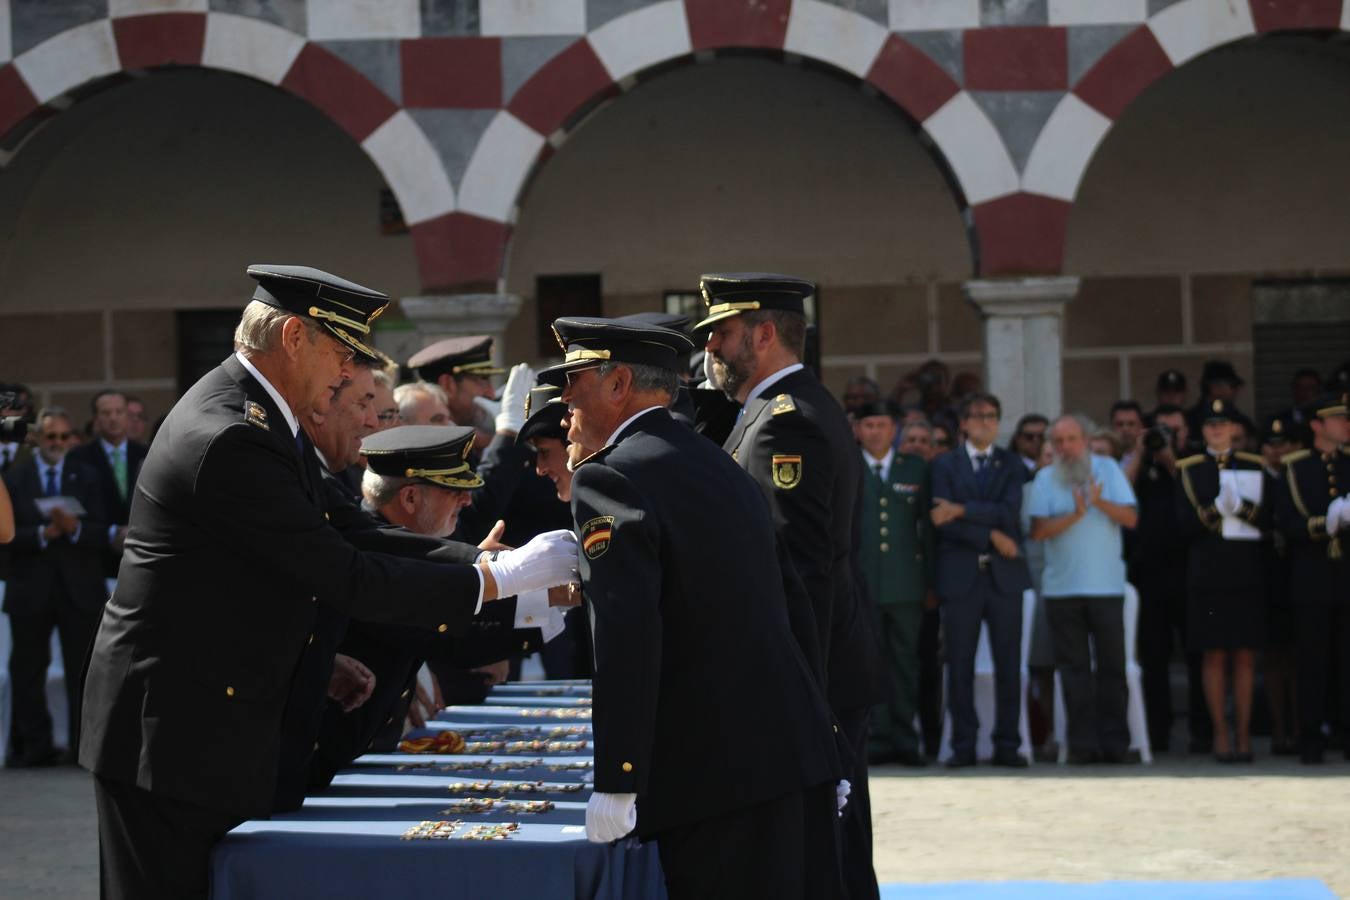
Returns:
(1021, 297)
(447, 315)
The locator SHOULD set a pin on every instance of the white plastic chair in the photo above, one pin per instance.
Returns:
(1134, 681)
(984, 692)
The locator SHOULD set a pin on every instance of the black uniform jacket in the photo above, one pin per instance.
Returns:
(116, 507)
(227, 559)
(1213, 562)
(1312, 480)
(797, 444)
(704, 702)
(73, 568)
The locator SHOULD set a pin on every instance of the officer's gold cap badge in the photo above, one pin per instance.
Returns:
(787, 471)
(1217, 406)
(596, 535)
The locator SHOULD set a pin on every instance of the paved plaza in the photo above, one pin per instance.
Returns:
(1180, 819)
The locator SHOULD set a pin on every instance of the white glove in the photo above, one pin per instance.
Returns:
(549, 559)
(1336, 515)
(841, 792)
(610, 816)
(512, 415)
(1228, 502)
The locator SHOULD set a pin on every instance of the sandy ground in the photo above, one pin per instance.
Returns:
(1180, 819)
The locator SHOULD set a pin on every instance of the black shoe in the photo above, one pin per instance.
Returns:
(1009, 759)
(911, 759)
(961, 762)
(1082, 757)
(1225, 758)
(1120, 757)
(1311, 756)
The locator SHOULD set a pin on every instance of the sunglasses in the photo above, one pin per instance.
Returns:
(572, 374)
(58, 435)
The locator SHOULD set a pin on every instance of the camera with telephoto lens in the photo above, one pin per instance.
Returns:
(1158, 438)
(12, 428)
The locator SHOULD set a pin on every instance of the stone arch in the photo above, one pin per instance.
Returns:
(106, 47)
(1169, 38)
(610, 58)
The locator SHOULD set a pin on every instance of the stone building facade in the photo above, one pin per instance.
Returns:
(1069, 194)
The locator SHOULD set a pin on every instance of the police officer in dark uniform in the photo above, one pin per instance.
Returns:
(1309, 513)
(227, 558)
(1222, 516)
(796, 442)
(692, 638)
(394, 653)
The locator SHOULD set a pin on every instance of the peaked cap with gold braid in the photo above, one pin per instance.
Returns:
(436, 454)
(730, 294)
(343, 308)
(468, 355)
(587, 342)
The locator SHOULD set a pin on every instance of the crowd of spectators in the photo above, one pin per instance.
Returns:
(1187, 504)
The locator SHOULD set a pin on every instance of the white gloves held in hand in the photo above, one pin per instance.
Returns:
(610, 816)
(511, 418)
(841, 792)
(1338, 515)
(1229, 501)
(549, 559)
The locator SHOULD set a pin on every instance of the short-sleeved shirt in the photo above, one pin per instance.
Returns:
(1086, 559)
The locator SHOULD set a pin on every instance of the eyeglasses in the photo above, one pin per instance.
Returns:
(572, 374)
(57, 435)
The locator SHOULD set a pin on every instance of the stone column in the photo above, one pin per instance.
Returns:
(1023, 342)
(438, 316)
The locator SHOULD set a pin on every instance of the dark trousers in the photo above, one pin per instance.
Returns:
(930, 681)
(783, 848)
(1095, 702)
(152, 847)
(1162, 627)
(855, 826)
(893, 729)
(31, 730)
(961, 620)
(1322, 631)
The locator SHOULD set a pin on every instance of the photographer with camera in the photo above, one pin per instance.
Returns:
(1157, 568)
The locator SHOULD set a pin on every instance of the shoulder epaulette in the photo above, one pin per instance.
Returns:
(782, 404)
(593, 457)
(1290, 458)
(1192, 460)
(1251, 457)
(256, 414)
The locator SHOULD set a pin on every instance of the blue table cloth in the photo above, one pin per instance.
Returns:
(348, 842)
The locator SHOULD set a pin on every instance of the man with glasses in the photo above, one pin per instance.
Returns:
(1028, 439)
(228, 557)
(981, 574)
(680, 567)
(55, 582)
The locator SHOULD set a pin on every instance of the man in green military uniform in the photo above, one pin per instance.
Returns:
(897, 564)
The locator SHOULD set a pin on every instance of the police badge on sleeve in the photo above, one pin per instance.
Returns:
(596, 535)
(787, 471)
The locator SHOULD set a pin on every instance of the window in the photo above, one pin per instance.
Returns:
(564, 295)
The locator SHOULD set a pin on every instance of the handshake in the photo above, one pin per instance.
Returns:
(548, 560)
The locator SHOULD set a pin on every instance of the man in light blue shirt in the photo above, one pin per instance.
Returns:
(1077, 507)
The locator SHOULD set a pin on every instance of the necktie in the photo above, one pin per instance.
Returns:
(53, 489)
(119, 467)
(880, 477)
(981, 468)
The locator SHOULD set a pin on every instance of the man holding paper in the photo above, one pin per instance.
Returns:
(1223, 506)
(55, 582)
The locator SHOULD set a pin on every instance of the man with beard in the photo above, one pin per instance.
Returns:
(677, 617)
(1078, 506)
(794, 439)
(228, 555)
